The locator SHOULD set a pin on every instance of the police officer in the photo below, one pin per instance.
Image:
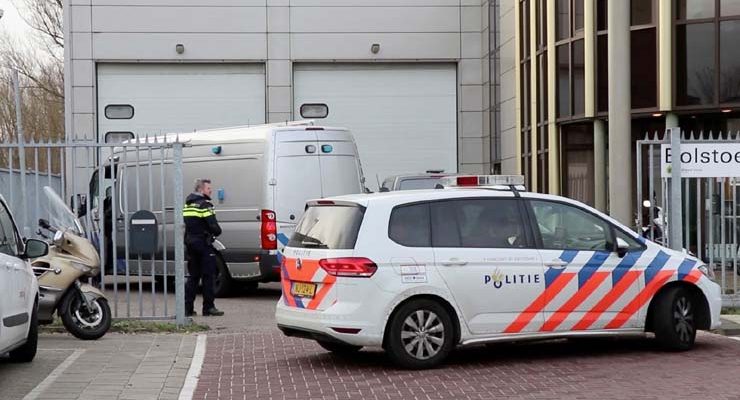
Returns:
(201, 228)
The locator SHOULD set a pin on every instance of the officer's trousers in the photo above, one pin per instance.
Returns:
(201, 265)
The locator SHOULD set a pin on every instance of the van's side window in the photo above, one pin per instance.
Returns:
(478, 223)
(565, 227)
(409, 226)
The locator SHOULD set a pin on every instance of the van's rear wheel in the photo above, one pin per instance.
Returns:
(674, 319)
(339, 348)
(420, 334)
(224, 284)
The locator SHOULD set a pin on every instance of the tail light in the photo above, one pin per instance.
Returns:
(352, 267)
(268, 230)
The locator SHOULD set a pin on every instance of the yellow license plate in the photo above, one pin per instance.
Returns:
(303, 289)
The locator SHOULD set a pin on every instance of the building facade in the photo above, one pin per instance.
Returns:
(594, 76)
(423, 84)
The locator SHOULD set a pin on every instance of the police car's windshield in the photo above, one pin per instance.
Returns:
(328, 227)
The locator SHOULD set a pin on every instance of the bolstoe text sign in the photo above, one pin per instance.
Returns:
(703, 160)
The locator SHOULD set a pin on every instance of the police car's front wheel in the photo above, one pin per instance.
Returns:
(420, 334)
(674, 319)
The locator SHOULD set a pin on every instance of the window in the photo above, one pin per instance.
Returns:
(565, 227)
(478, 223)
(695, 9)
(602, 73)
(729, 8)
(579, 78)
(328, 227)
(601, 15)
(578, 15)
(409, 226)
(8, 235)
(634, 245)
(707, 57)
(695, 64)
(729, 78)
(119, 111)
(644, 60)
(563, 79)
(562, 8)
(578, 162)
(118, 137)
(642, 12)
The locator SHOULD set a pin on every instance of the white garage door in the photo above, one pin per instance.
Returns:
(162, 98)
(403, 116)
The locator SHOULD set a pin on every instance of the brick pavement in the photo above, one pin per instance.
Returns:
(267, 365)
(114, 367)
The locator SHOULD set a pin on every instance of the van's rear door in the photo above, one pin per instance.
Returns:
(340, 169)
(297, 178)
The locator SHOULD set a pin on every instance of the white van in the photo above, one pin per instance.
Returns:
(262, 177)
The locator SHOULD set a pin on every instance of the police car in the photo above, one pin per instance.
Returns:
(481, 260)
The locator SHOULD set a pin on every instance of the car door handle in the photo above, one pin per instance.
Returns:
(557, 264)
(454, 262)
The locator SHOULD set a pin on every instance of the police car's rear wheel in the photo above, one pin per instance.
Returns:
(421, 334)
(674, 319)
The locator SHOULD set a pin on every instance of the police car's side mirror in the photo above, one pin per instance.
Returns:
(622, 247)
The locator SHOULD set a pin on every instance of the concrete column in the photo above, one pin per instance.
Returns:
(620, 162)
(671, 120)
(518, 89)
(552, 128)
(589, 51)
(600, 162)
(665, 61)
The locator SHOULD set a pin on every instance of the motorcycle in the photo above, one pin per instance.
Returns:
(83, 309)
(657, 233)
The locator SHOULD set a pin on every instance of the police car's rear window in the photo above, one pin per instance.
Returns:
(328, 227)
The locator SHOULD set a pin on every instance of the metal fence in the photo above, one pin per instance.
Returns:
(16, 193)
(105, 185)
(709, 209)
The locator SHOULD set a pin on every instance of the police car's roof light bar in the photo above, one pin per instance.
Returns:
(498, 182)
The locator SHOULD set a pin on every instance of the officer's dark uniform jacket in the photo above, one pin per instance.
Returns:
(200, 229)
(200, 219)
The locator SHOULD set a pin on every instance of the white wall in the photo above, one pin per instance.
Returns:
(280, 32)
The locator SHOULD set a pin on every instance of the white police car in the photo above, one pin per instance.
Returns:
(19, 290)
(420, 272)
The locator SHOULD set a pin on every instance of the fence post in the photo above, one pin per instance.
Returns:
(179, 236)
(675, 224)
(21, 152)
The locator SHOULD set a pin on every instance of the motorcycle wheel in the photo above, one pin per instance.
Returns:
(83, 323)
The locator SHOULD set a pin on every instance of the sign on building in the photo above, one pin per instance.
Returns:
(703, 160)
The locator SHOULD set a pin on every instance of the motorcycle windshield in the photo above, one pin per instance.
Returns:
(61, 217)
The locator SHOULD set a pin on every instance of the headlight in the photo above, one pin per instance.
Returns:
(708, 272)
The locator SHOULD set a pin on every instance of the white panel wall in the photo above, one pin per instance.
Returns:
(278, 33)
(403, 116)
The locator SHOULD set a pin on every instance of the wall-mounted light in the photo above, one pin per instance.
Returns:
(657, 114)
(180, 48)
(726, 110)
(375, 48)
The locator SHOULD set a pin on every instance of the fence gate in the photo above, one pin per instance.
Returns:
(105, 185)
(709, 207)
